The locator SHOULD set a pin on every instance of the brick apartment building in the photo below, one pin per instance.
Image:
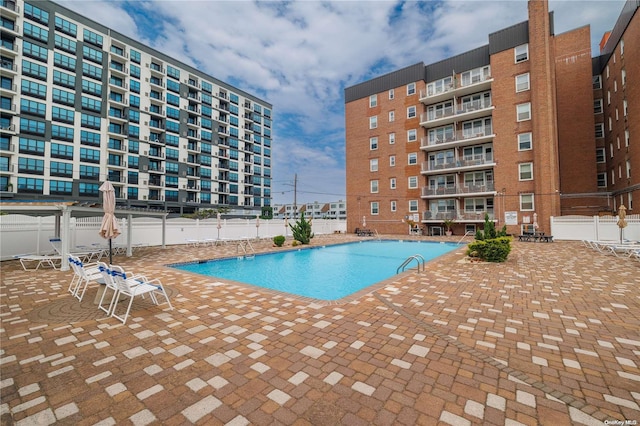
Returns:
(526, 127)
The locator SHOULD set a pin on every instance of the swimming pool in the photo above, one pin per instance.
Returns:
(325, 273)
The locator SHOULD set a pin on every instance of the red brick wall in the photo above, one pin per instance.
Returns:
(358, 155)
(630, 92)
(576, 121)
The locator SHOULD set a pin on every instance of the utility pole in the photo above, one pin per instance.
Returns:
(295, 196)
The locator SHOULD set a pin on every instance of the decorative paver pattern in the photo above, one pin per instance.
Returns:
(552, 336)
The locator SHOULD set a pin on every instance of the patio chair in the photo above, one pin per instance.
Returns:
(83, 275)
(87, 254)
(132, 286)
(32, 262)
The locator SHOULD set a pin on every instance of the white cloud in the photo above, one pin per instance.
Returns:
(300, 55)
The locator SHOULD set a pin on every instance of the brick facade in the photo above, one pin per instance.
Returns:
(481, 153)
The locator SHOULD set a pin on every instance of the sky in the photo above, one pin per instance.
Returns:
(300, 55)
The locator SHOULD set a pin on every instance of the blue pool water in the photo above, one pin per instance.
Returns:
(326, 273)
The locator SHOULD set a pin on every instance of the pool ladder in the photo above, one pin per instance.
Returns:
(419, 260)
(244, 245)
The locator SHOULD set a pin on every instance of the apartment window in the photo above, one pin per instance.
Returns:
(600, 155)
(31, 166)
(524, 142)
(522, 82)
(34, 51)
(373, 165)
(413, 206)
(597, 82)
(412, 158)
(526, 202)
(62, 133)
(374, 186)
(375, 208)
(92, 54)
(621, 46)
(91, 37)
(623, 77)
(373, 101)
(610, 124)
(59, 150)
(521, 53)
(31, 107)
(602, 180)
(611, 150)
(392, 183)
(66, 26)
(626, 138)
(411, 89)
(59, 187)
(57, 168)
(63, 115)
(597, 106)
(30, 185)
(524, 111)
(394, 206)
(613, 177)
(413, 182)
(607, 71)
(36, 14)
(618, 142)
(411, 112)
(615, 86)
(34, 127)
(373, 122)
(64, 79)
(392, 116)
(599, 130)
(412, 135)
(392, 138)
(608, 97)
(373, 144)
(525, 171)
(628, 169)
(625, 109)
(36, 32)
(619, 171)
(391, 94)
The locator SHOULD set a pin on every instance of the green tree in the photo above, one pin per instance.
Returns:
(302, 230)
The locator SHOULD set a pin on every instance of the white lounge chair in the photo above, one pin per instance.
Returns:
(33, 262)
(131, 287)
(86, 255)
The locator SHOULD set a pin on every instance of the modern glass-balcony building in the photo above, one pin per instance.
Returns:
(82, 104)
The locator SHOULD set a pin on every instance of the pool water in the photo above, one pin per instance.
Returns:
(326, 273)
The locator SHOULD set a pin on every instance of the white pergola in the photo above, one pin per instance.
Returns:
(64, 211)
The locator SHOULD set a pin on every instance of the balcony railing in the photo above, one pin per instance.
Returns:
(466, 161)
(456, 136)
(458, 189)
(461, 108)
(460, 215)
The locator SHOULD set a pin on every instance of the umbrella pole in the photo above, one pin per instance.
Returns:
(110, 253)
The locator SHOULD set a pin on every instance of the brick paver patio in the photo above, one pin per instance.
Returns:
(550, 337)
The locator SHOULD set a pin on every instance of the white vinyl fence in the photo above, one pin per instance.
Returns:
(596, 228)
(26, 234)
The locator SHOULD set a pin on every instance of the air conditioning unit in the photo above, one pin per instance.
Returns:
(146, 94)
(145, 168)
(184, 186)
(146, 138)
(144, 197)
(146, 109)
(145, 152)
(146, 79)
(184, 120)
(144, 182)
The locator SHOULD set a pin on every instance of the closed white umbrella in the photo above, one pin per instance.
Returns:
(622, 222)
(219, 224)
(257, 226)
(109, 228)
(286, 226)
(364, 221)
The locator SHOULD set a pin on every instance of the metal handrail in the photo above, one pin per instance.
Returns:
(465, 234)
(418, 258)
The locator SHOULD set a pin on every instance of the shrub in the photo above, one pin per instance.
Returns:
(302, 230)
(278, 240)
(490, 245)
(295, 243)
(493, 250)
